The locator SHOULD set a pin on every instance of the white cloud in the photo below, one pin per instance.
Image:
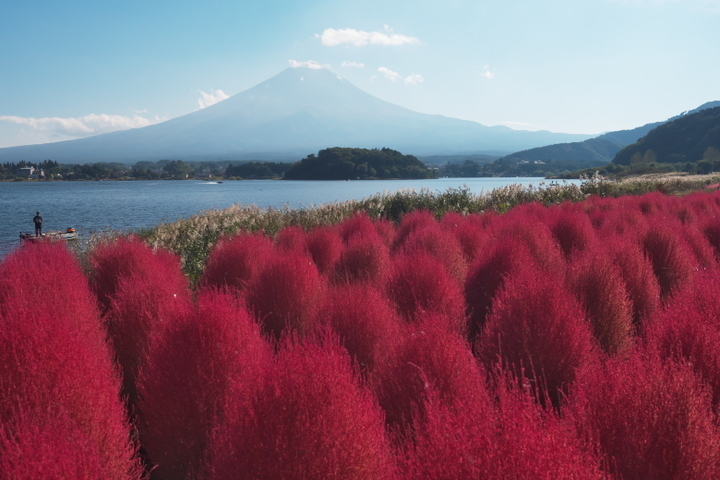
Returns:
(389, 74)
(488, 73)
(414, 79)
(352, 64)
(311, 64)
(333, 37)
(207, 99)
(86, 126)
(393, 76)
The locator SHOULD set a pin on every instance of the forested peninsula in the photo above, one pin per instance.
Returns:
(358, 164)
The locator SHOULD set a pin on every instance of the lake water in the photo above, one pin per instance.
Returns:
(95, 206)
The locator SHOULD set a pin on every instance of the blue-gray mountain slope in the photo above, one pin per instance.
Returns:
(595, 151)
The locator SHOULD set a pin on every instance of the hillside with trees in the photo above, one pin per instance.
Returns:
(594, 152)
(358, 164)
(692, 138)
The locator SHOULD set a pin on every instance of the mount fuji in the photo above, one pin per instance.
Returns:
(297, 112)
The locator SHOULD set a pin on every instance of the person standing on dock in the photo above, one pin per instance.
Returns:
(37, 219)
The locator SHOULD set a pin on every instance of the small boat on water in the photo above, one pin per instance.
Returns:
(68, 234)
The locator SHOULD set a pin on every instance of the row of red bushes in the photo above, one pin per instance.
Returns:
(577, 341)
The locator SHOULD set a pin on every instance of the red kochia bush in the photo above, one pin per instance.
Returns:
(310, 419)
(440, 244)
(598, 284)
(516, 439)
(365, 322)
(412, 222)
(487, 276)
(45, 445)
(146, 301)
(471, 232)
(450, 443)
(700, 245)
(651, 203)
(59, 389)
(113, 261)
(386, 229)
(650, 420)
(673, 261)
(428, 357)
(287, 295)
(325, 246)
(537, 328)
(688, 331)
(711, 230)
(534, 442)
(420, 284)
(366, 259)
(236, 260)
(359, 224)
(637, 271)
(186, 379)
(292, 240)
(571, 227)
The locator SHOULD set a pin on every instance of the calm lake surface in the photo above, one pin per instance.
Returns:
(96, 206)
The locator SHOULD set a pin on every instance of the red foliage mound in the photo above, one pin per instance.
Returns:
(700, 245)
(637, 272)
(470, 231)
(688, 330)
(487, 276)
(310, 419)
(45, 445)
(429, 357)
(537, 328)
(146, 301)
(366, 259)
(364, 320)
(113, 261)
(711, 230)
(522, 229)
(386, 229)
(236, 260)
(572, 228)
(325, 246)
(442, 245)
(420, 284)
(598, 284)
(450, 442)
(672, 260)
(412, 222)
(187, 377)
(515, 439)
(292, 240)
(650, 420)
(359, 224)
(59, 389)
(287, 295)
(651, 203)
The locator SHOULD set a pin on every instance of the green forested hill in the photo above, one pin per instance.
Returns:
(691, 138)
(357, 164)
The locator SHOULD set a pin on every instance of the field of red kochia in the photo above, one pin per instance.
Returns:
(579, 341)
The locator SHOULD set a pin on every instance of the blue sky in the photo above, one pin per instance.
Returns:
(76, 68)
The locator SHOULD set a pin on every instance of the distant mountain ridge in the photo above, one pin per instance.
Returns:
(688, 138)
(297, 112)
(595, 151)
